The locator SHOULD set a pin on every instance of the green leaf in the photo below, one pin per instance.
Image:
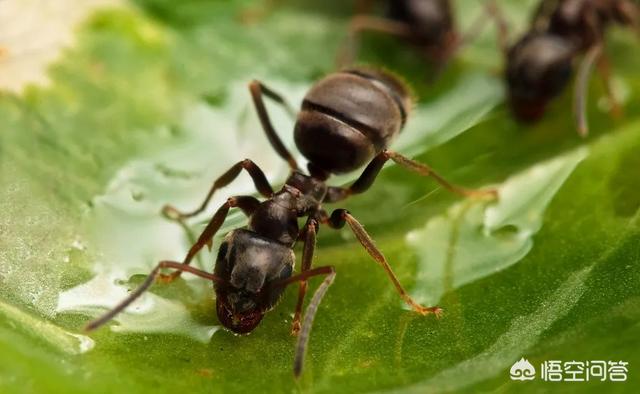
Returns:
(150, 103)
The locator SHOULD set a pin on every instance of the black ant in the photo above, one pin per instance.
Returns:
(540, 64)
(427, 24)
(346, 120)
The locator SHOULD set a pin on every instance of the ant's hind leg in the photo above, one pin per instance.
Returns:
(153, 275)
(258, 89)
(337, 220)
(360, 23)
(259, 180)
(370, 173)
(307, 257)
(247, 204)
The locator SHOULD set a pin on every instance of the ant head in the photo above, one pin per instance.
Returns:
(249, 263)
(239, 311)
(538, 68)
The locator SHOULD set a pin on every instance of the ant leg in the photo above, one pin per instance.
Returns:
(604, 68)
(310, 313)
(540, 20)
(247, 204)
(360, 23)
(258, 89)
(581, 87)
(259, 180)
(501, 25)
(630, 13)
(153, 275)
(492, 10)
(370, 173)
(307, 257)
(337, 220)
(425, 170)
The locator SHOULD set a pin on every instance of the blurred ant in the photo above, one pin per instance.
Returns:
(540, 64)
(427, 24)
(346, 120)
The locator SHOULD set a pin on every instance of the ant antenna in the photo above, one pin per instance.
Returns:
(581, 87)
(155, 273)
(310, 314)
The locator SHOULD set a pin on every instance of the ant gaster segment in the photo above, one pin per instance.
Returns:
(346, 119)
(428, 25)
(540, 64)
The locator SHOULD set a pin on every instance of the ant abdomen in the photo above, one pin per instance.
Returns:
(349, 117)
(539, 67)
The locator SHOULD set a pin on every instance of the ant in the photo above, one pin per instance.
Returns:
(346, 119)
(427, 24)
(540, 64)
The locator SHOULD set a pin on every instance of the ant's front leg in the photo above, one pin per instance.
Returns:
(247, 204)
(259, 180)
(153, 275)
(337, 220)
(370, 173)
(310, 231)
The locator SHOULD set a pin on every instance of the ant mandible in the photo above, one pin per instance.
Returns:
(427, 24)
(346, 119)
(540, 64)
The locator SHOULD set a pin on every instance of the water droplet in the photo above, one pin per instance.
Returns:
(494, 236)
(131, 235)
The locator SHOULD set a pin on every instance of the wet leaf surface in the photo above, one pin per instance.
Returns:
(150, 105)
